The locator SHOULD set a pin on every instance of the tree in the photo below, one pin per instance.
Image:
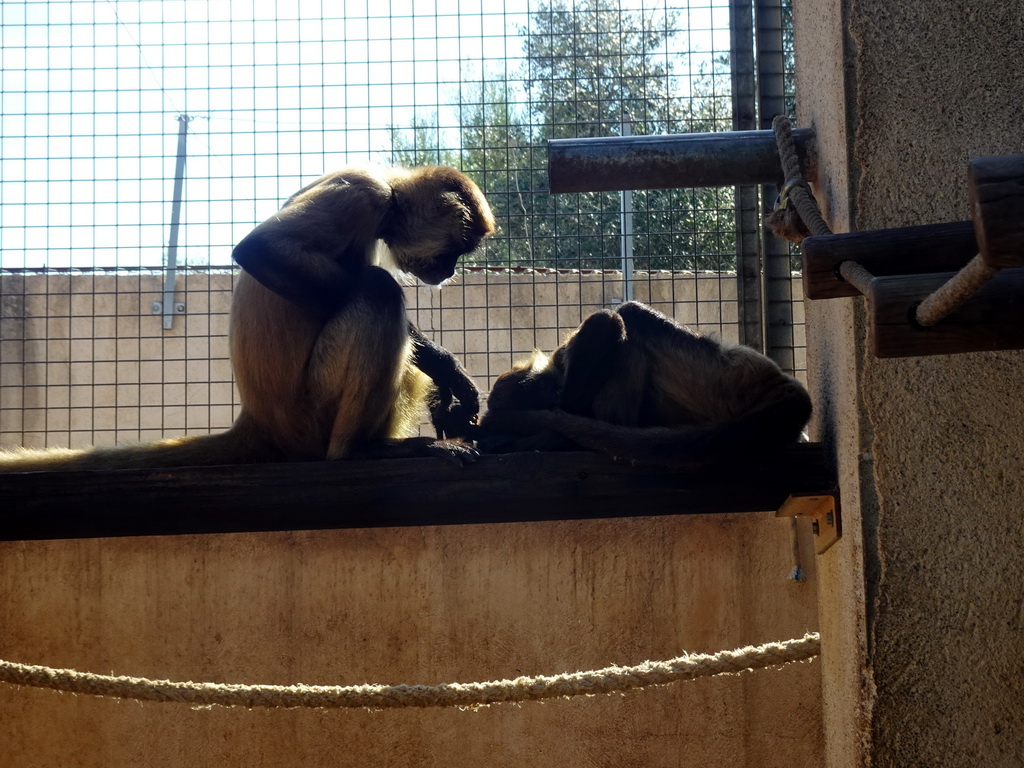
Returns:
(587, 66)
(420, 144)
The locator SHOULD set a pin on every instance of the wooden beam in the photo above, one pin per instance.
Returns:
(993, 319)
(903, 251)
(997, 204)
(722, 159)
(414, 492)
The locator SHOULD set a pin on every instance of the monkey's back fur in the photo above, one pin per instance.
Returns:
(637, 385)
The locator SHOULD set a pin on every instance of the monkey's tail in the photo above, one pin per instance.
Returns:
(231, 447)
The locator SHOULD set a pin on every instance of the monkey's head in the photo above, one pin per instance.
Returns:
(532, 385)
(437, 215)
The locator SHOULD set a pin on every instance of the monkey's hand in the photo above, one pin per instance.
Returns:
(455, 417)
(454, 451)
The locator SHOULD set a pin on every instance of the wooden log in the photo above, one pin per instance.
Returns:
(993, 319)
(414, 492)
(903, 251)
(616, 163)
(997, 204)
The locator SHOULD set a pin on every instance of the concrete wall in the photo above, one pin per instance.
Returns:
(921, 603)
(429, 605)
(424, 605)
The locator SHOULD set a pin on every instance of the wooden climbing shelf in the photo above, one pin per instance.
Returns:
(520, 487)
(942, 288)
(992, 320)
(884, 252)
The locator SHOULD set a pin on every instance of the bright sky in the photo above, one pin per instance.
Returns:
(91, 92)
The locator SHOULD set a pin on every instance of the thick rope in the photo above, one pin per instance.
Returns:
(954, 291)
(607, 680)
(796, 215)
(856, 275)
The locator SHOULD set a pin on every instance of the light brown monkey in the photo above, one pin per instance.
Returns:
(323, 354)
(637, 385)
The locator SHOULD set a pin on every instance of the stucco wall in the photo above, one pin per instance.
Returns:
(925, 594)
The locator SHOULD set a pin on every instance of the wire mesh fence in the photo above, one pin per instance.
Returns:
(106, 105)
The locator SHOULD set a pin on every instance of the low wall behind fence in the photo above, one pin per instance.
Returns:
(85, 359)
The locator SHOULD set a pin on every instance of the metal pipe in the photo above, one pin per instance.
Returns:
(779, 340)
(748, 214)
(627, 229)
(722, 159)
(171, 267)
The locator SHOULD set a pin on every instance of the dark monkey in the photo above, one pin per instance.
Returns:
(637, 385)
(326, 362)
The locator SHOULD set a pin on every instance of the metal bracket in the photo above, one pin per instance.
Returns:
(823, 509)
(158, 308)
(170, 308)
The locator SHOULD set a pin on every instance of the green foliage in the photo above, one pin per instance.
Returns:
(588, 65)
(789, 52)
(419, 144)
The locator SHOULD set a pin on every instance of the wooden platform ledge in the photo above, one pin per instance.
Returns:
(360, 494)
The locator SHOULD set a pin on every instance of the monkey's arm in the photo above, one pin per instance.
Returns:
(450, 418)
(310, 251)
(503, 442)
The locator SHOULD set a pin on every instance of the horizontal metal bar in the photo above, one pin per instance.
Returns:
(719, 159)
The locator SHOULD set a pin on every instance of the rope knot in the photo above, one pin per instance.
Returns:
(795, 215)
(784, 220)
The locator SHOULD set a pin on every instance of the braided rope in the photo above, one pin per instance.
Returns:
(608, 680)
(796, 190)
(936, 306)
(857, 276)
(955, 291)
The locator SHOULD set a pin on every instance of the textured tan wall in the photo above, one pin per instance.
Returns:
(836, 355)
(932, 572)
(938, 83)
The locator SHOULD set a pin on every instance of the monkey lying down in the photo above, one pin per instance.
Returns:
(326, 362)
(634, 384)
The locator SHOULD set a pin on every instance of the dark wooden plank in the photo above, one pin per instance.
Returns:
(997, 204)
(722, 159)
(992, 319)
(903, 251)
(412, 492)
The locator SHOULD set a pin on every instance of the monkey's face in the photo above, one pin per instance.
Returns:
(440, 267)
(432, 250)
